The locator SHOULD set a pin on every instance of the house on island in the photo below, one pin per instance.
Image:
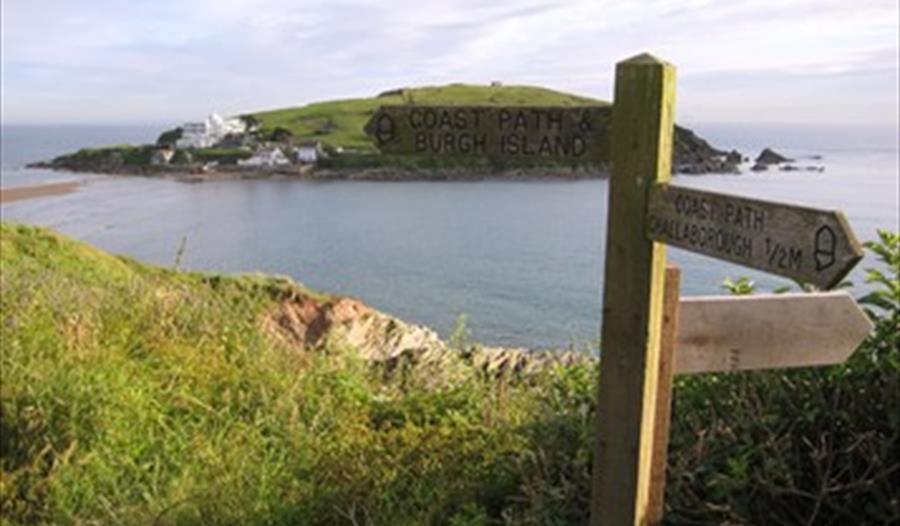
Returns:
(209, 132)
(162, 156)
(309, 152)
(266, 157)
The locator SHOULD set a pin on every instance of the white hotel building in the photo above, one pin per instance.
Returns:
(209, 132)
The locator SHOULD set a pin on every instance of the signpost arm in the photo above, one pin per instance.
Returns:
(671, 296)
(633, 293)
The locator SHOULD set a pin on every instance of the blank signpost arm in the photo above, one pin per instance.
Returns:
(633, 293)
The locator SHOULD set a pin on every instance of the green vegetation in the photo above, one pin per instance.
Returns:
(108, 157)
(111, 158)
(341, 122)
(134, 394)
(808, 446)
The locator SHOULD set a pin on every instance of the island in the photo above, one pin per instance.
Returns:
(327, 141)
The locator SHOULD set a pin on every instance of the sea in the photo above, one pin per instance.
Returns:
(520, 263)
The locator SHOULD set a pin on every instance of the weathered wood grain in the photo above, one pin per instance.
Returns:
(642, 131)
(806, 244)
(767, 331)
(656, 500)
(576, 133)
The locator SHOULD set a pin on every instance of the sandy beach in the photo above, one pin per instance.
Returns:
(8, 195)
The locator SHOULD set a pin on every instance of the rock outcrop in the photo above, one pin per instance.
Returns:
(309, 323)
(693, 155)
(770, 156)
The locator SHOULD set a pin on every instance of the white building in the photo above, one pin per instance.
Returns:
(309, 152)
(209, 132)
(266, 157)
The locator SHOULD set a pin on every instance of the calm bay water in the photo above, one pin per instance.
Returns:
(524, 261)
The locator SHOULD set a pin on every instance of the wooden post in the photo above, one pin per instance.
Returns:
(633, 293)
(655, 507)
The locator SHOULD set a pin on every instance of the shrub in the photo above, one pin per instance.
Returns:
(280, 134)
(806, 446)
(169, 137)
(108, 157)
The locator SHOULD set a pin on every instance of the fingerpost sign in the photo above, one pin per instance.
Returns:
(648, 333)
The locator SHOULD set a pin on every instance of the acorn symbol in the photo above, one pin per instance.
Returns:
(825, 247)
(384, 129)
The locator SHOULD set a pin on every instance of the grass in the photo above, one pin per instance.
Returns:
(134, 394)
(341, 122)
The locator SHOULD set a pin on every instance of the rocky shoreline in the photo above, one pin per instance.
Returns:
(696, 161)
(310, 173)
(306, 322)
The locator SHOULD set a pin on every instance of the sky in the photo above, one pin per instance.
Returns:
(127, 61)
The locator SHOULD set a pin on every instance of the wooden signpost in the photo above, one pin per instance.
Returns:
(642, 129)
(648, 335)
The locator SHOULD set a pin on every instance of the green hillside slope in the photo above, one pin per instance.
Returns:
(341, 122)
(135, 394)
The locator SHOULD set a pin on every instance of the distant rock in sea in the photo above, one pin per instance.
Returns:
(770, 156)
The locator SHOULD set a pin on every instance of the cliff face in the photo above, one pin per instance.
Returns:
(693, 155)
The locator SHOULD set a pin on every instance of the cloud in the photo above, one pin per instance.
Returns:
(169, 60)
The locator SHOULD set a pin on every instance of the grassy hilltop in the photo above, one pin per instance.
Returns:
(134, 394)
(341, 122)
